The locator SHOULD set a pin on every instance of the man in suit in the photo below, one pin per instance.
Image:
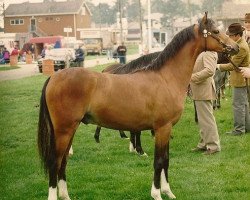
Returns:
(238, 82)
(247, 26)
(203, 90)
(121, 51)
(79, 56)
(245, 70)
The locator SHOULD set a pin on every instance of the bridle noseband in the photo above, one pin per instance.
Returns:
(206, 33)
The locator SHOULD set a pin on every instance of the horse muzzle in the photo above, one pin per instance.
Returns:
(229, 49)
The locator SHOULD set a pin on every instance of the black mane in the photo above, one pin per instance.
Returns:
(172, 48)
(133, 65)
(155, 61)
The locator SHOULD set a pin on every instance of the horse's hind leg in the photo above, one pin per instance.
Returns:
(62, 185)
(138, 146)
(132, 142)
(122, 134)
(97, 134)
(161, 164)
(57, 169)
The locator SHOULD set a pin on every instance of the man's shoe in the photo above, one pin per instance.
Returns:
(198, 149)
(210, 151)
(234, 133)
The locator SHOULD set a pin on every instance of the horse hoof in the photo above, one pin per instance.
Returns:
(169, 194)
(143, 154)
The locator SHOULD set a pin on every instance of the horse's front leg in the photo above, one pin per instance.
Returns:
(161, 164)
(165, 187)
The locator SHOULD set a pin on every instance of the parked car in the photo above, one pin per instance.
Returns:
(62, 57)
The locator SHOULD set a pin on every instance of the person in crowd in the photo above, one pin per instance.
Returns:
(6, 55)
(44, 51)
(246, 71)
(204, 92)
(115, 46)
(57, 45)
(80, 56)
(121, 51)
(15, 52)
(247, 28)
(1, 57)
(237, 81)
(109, 51)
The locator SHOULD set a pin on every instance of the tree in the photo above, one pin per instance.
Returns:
(212, 6)
(102, 13)
(133, 11)
(171, 10)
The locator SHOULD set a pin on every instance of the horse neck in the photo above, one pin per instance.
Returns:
(182, 64)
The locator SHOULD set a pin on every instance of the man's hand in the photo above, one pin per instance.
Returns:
(245, 71)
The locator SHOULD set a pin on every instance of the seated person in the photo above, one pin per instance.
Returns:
(6, 55)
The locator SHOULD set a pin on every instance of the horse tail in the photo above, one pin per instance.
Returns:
(46, 138)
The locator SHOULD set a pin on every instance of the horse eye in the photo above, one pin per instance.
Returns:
(216, 31)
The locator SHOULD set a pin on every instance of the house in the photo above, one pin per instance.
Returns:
(48, 18)
(233, 12)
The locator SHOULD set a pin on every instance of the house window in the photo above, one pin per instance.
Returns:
(16, 22)
(58, 19)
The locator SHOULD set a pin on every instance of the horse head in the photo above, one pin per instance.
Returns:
(214, 39)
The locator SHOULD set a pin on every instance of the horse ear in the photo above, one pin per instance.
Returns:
(204, 19)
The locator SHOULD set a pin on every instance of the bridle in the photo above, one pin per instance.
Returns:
(206, 33)
(226, 48)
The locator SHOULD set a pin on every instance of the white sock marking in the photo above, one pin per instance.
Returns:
(165, 187)
(52, 193)
(155, 193)
(131, 148)
(63, 190)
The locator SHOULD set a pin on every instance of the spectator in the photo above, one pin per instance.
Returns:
(203, 90)
(246, 71)
(57, 45)
(43, 51)
(80, 56)
(1, 57)
(15, 52)
(237, 81)
(115, 46)
(109, 51)
(247, 26)
(121, 51)
(6, 55)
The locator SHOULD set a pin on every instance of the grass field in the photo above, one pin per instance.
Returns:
(107, 171)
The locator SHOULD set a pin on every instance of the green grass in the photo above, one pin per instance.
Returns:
(8, 67)
(107, 171)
